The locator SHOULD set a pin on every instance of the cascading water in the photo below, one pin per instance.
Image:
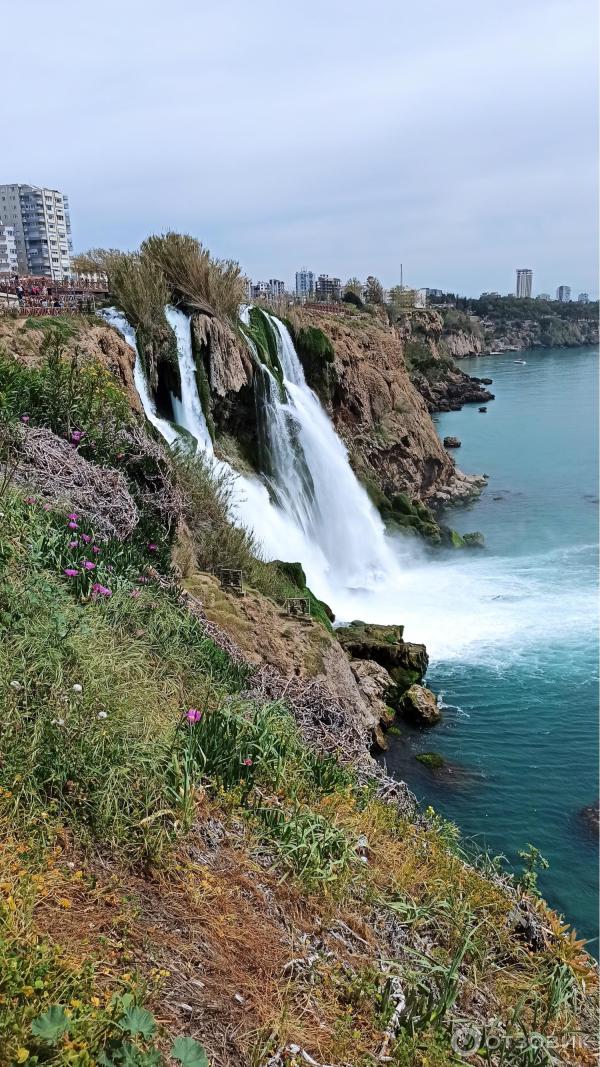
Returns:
(117, 319)
(314, 481)
(188, 411)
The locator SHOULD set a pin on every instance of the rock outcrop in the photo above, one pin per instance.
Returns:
(379, 411)
(419, 705)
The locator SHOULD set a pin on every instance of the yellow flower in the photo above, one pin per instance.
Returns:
(27, 990)
(75, 1003)
(95, 1001)
(22, 1054)
(64, 903)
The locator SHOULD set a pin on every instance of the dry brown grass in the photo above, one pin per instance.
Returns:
(212, 286)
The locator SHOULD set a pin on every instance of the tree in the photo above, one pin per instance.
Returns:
(354, 285)
(350, 297)
(373, 291)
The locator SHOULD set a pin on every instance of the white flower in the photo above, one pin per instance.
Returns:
(103, 715)
(77, 688)
(15, 685)
(58, 722)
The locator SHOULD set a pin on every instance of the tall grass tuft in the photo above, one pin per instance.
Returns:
(212, 286)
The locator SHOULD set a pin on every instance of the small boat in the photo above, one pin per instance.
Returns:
(523, 362)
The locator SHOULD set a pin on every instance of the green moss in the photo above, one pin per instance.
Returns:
(280, 579)
(316, 354)
(263, 335)
(433, 760)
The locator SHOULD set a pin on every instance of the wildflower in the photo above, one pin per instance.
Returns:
(73, 517)
(73, 544)
(77, 688)
(25, 418)
(86, 538)
(15, 685)
(152, 547)
(142, 580)
(72, 525)
(71, 572)
(58, 722)
(194, 715)
(135, 593)
(95, 549)
(22, 1054)
(100, 590)
(247, 762)
(47, 507)
(88, 565)
(30, 500)
(103, 715)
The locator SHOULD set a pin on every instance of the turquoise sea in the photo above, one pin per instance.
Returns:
(520, 723)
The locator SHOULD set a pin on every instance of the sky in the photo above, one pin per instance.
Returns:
(457, 139)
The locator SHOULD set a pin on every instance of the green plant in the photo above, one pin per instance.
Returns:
(534, 862)
(211, 286)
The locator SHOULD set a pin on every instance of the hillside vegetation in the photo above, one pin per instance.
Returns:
(194, 867)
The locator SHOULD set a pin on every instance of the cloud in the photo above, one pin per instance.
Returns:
(457, 139)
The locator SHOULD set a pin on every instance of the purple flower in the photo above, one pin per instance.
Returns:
(100, 590)
(73, 517)
(135, 593)
(142, 580)
(86, 538)
(48, 507)
(95, 549)
(88, 565)
(73, 544)
(247, 762)
(152, 548)
(71, 572)
(30, 500)
(24, 418)
(194, 715)
(77, 435)
(71, 525)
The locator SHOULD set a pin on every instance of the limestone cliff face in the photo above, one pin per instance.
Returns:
(555, 333)
(378, 411)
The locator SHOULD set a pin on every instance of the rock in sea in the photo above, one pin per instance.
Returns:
(420, 706)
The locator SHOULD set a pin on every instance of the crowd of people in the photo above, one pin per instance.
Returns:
(44, 296)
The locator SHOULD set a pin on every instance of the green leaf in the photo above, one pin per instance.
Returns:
(138, 1021)
(189, 1052)
(51, 1025)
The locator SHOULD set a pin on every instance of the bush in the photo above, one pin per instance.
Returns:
(212, 286)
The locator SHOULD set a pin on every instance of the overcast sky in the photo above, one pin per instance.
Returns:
(458, 138)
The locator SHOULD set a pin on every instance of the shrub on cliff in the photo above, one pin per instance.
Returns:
(212, 286)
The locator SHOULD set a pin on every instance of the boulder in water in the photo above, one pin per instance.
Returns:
(591, 818)
(420, 706)
(405, 661)
(486, 381)
(452, 442)
(474, 539)
(482, 409)
(433, 760)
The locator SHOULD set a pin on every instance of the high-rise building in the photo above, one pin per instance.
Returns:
(328, 289)
(42, 226)
(433, 294)
(276, 287)
(563, 294)
(305, 283)
(524, 280)
(9, 263)
(583, 298)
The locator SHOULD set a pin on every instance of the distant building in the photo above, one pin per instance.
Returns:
(433, 294)
(524, 281)
(421, 298)
(260, 291)
(543, 296)
(563, 294)
(305, 283)
(9, 263)
(583, 298)
(328, 289)
(276, 287)
(42, 229)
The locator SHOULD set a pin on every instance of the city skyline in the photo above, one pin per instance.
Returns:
(406, 165)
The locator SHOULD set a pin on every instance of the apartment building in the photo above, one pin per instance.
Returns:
(8, 250)
(42, 229)
(524, 282)
(328, 289)
(563, 294)
(305, 283)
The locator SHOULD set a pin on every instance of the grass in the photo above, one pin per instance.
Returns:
(203, 283)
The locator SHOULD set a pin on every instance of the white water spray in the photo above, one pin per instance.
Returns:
(188, 411)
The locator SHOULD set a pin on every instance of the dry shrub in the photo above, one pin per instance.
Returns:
(213, 286)
(52, 467)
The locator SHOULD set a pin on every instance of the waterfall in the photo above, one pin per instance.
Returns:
(188, 411)
(117, 319)
(312, 478)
